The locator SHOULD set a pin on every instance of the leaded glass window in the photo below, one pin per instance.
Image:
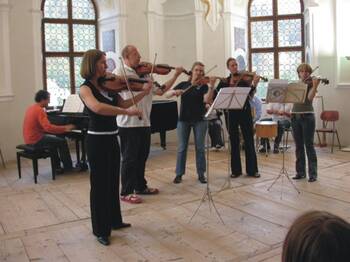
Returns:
(275, 39)
(69, 28)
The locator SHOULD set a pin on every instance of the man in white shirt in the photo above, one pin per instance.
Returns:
(281, 114)
(135, 133)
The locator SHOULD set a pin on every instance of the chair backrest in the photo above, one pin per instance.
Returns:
(330, 116)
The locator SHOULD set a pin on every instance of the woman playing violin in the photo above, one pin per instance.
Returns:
(192, 110)
(303, 125)
(102, 144)
(241, 118)
(135, 134)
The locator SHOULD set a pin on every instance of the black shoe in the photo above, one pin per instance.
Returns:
(59, 171)
(276, 150)
(298, 177)
(255, 175)
(202, 179)
(120, 226)
(72, 169)
(103, 240)
(262, 150)
(218, 146)
(235, 175)
(177, 180)
(312, 179)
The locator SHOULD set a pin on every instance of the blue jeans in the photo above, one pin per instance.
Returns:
(303, 126)
(183, 134)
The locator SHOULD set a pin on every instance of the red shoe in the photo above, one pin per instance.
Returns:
(131, 199)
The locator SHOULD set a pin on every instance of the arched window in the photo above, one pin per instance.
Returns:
(69, 28)
(275, 38)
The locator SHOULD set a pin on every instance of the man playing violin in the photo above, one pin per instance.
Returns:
(135, 133)
(241, 118)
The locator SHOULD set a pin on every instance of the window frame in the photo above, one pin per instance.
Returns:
(275, 49)
(71, 54)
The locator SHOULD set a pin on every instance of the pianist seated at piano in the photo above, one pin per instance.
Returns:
(39, 132)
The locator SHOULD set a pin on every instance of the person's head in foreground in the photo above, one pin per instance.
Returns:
(317, 236)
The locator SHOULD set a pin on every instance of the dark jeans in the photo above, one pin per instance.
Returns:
(281, 126)
(135, 145)
(60, 149)
(215, 132)
(303, 126)
(243, 119)
(104, 161)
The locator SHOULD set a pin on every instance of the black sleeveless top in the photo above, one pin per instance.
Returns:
(100, 123)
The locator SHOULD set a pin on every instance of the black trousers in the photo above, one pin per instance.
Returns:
(215, 132)
(243, 119)
(104, 160)
(135, 145)
(60, 150)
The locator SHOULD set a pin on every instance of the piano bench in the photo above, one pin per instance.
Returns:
(30, 152)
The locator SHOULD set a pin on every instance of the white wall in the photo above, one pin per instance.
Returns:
(176, 30)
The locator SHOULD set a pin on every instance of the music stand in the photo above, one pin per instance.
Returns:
(280, 91)
(230, 98)
(227, 98)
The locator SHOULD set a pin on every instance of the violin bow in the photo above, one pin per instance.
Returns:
(127, 85)
(153, 65)
(310, 76)
(188, 88)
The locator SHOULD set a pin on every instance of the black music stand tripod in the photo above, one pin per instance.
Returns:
(282, 92)
(227, 98)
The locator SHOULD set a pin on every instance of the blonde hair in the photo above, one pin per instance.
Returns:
(88, 64)
(197, 63)
(304, 67)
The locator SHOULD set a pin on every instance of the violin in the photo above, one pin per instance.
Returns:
(206, 79)
(145, 68)
(309, 79)
(114, 84)
(246, 75)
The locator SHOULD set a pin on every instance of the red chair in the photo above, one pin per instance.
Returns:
(329, 117)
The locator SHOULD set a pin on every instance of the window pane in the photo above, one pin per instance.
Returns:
(83, 9)
(261, 8)
(78, 79)
(263, 64)
(289, 7)
(58, 79)
(84, 37)
(55, 9)
(289, 32)
(288, 63)
(262, 34)
(56, 38)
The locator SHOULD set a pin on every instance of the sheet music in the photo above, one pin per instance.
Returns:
(230, 98)
(73, 104)
(276, 91)
(280, 91)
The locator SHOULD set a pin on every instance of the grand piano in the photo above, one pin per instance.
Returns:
(164, 117)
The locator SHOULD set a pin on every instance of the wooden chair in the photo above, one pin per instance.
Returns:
(329, 117)
(30, 152)
(265, 129)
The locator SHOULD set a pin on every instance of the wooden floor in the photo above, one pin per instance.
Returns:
(50, 221)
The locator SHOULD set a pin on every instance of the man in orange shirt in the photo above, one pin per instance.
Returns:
(36, 125)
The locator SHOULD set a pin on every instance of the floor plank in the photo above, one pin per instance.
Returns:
(50, 221)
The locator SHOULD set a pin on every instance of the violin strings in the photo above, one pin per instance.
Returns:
(211, 69)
